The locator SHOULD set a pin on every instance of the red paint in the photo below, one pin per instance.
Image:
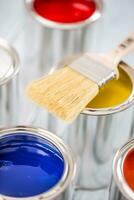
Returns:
(65, 11)
(128, 169)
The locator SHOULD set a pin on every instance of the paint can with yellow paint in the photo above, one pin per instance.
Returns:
(103, 127)
(100, 129)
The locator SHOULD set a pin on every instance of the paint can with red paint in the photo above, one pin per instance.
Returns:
(122, 184)
(66, 28)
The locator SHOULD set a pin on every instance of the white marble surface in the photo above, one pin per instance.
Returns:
(117, 21)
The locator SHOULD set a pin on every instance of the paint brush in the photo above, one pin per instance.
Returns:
(67, 91)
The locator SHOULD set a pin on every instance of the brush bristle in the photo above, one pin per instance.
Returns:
(64, 93)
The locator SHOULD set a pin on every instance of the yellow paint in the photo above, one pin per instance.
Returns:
(113, 93)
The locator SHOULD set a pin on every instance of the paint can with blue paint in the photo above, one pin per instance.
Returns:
(34, 164)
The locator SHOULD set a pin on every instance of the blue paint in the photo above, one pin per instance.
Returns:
(29, 165)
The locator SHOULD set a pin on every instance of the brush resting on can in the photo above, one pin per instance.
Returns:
(67, 91)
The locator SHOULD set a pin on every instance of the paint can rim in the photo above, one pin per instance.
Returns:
(9, 49)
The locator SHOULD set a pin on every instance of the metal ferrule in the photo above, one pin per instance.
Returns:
(95, 71)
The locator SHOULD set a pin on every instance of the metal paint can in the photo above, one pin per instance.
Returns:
(35, 163)
(120, 188)
(58, 40)
(99, 133)
(96, 134)
(9, 85)
(61, 39)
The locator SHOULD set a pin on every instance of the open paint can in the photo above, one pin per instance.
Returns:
(104, 125)
(64, 26)
(122, 185)
(34, 164)
(9, 85)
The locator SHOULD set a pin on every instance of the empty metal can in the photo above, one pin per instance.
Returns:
(122, 184)
(9, 85)
(35, 164)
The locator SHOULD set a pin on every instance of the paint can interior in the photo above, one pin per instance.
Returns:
(123, 167)
(9, 67)
(115, 93)
(34, 163)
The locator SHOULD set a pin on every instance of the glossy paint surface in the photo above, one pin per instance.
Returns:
(113, 93)
(65, 11)
(128, 169)
(29, 165)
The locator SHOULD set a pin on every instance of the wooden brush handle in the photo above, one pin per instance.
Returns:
(121, 50)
